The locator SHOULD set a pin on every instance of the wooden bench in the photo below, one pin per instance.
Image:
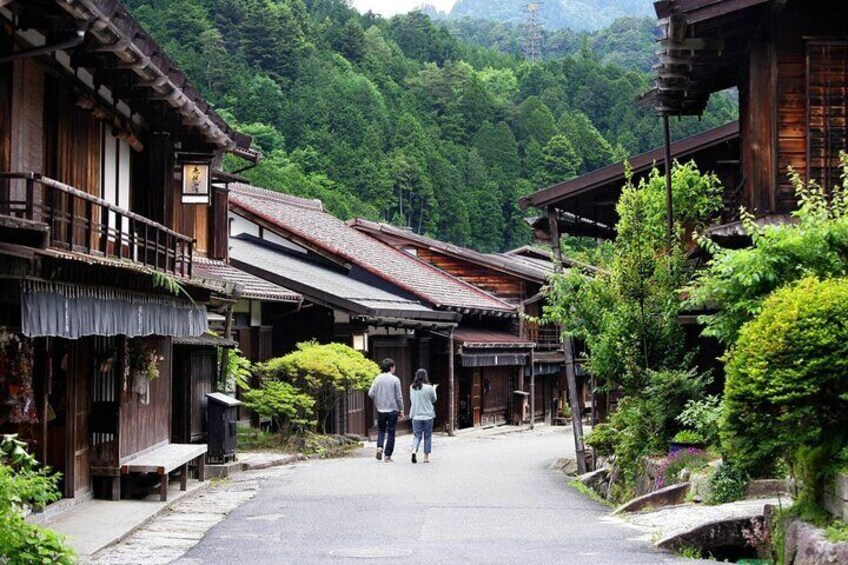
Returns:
(168, 458)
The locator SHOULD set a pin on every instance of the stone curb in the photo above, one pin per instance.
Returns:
(121, 537)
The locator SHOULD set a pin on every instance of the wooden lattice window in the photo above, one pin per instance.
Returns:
(827, 110)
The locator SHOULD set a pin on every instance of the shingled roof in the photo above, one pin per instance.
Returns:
(252, 287)
(306, 223)
(501, 263)
(326, 283)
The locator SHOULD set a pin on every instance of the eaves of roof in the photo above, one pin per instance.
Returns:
(556, 193)
(501, 263)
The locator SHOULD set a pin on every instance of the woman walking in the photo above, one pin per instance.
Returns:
(423, 399)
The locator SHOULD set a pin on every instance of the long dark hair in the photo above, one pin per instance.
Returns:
(420, 379)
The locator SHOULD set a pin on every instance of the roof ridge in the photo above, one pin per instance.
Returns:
(259, 192)
(340, 251)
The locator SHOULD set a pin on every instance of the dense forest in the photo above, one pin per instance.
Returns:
(627, 42)
(553, 14)
(399, 120)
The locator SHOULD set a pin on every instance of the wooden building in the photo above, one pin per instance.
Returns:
(496, 362)
(788, 59)
(98, 229)
(360, 290)
(585, 206)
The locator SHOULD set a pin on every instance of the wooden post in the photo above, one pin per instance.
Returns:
(451, 387)
(570, 375)
(669, 211)
(576, 421)
(532, 388)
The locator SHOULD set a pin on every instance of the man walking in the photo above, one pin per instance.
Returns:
(388, 401)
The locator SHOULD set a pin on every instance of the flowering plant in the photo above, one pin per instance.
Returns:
(669, 469)
(145, 360)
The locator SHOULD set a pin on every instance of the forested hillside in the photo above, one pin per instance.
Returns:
(553, 14)
(628, 42)
(397, 119)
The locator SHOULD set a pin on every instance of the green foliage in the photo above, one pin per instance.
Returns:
(291, 410)
(785, 383)
(727, 484)
(601, 439)
(626, 313)
(23, 483)
(577, 485)
(736, 281)
(688, 436)
(380, 117)
(237, 369)
(837, 532)
(702, 416)
(322, 372)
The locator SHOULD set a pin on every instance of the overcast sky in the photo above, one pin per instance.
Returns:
(391, 7)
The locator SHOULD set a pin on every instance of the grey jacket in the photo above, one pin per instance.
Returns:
(386, 394)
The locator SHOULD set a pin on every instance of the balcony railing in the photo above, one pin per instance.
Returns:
(82, 223)
(545, 337)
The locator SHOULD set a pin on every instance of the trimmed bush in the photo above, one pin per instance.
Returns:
(787, 377)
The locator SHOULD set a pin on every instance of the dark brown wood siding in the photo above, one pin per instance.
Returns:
(827, 110)
(759, 128)
(144, 426)
(501, 285)
(801, 26)
(5, 104)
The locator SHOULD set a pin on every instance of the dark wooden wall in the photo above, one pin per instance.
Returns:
(778, 113)
(144, 426)
(72, 139)
(5, 104)
(501, 285)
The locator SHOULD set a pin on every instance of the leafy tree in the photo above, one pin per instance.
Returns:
(558, 162)
(589, 145)
(535, 120)
(322, 372)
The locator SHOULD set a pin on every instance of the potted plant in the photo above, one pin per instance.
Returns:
(686, 439)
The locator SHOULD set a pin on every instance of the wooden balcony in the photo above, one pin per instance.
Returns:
(546, 337)
(81, 223)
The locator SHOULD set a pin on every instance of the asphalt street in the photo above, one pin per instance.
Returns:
(483, 499)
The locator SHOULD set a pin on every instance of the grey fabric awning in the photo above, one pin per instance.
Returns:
(50, 309)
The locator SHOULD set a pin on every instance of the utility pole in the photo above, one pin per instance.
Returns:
(669, 211)
(570, 373)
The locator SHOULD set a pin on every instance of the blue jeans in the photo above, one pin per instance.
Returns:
(422, 428)
(386, 424)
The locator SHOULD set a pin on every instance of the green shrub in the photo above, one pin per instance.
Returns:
(727, 484)
(23, 483)
(602, 439)
(643, 425)
(786, 384)
(702, 416)
(688, 436)
(323, 372)
(290, 410)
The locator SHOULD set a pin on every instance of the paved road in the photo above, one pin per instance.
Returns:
(484, 499)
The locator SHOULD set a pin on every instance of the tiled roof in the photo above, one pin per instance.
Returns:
(476, 337)
(252, 287)
(497, 262)
(307, 222)
(322, 283)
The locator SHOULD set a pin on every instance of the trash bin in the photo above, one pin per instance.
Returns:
(221, 415)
